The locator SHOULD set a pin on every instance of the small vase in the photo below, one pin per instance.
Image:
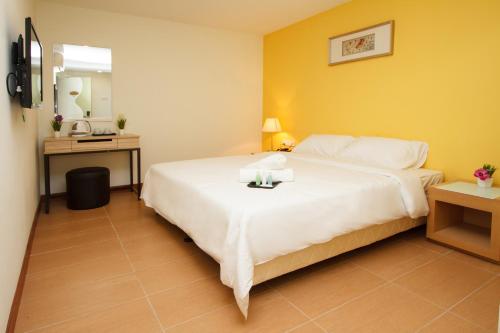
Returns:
(121, 132)
(485, 183)
(57, 134)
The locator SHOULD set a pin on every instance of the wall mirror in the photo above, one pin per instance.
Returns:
(82, 82)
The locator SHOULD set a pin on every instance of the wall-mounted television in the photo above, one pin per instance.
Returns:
(27, 57)
(32, 92)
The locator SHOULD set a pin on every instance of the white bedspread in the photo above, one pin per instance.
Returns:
(241, 227)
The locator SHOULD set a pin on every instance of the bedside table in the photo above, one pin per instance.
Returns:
(466, 217)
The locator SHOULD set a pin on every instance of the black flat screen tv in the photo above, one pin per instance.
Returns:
(32, 85)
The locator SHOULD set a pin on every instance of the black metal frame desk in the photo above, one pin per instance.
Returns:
(92, 145)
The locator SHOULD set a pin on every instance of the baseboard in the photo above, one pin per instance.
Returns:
(16, 302)
(112, 188)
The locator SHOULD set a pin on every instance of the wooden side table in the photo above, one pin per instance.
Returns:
(466, 217)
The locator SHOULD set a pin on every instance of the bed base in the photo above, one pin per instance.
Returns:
(338, 245)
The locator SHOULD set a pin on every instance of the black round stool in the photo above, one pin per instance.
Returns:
(87, 188)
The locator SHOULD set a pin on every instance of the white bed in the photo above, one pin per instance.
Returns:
(242, 227)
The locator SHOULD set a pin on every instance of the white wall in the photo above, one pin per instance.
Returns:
(189, 91)
(18, 162)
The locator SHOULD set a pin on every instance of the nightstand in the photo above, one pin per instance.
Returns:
(466, 217)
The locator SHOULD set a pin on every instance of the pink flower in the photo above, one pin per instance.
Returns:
(481, 174)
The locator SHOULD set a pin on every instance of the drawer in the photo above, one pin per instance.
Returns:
(94, 144)
(54, 147)
(128, 143)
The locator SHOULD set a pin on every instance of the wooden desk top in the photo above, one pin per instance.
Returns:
(90, 137)
(71, 144)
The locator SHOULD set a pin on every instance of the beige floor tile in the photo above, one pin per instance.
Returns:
(393, 258)
(157, 249)
(307, 328)
(444, 281)
(123, 198)
(89, 285)
(268, 313)
(321, 290)
(185, 302)
(388, 309)
(74, 255)
(475, 261)
(178, 272)
(60, 214)
(127, 212)
(417, 237)
(70, 302)
(98, 230)
(147, 226)
(71, 227)
(44, 283)
(482, 307)
(450, 323)
(133, 317)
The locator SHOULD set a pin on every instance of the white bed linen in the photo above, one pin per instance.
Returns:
(427, 176)
(241, 227)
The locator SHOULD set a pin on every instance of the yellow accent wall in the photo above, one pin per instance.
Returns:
(442, 85)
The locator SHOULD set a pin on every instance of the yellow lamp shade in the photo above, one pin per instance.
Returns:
(271, 125)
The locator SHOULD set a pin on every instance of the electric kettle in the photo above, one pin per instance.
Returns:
(81, 128)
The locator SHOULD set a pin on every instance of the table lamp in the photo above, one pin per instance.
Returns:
(271, 125)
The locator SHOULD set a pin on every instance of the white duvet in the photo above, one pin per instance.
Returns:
(241, 227)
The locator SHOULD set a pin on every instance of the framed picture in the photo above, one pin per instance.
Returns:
(370, 42)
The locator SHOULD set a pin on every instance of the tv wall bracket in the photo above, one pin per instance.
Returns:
(13, 80)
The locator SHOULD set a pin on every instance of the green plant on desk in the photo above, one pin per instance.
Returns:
(121, 122)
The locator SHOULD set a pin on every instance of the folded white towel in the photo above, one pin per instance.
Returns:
(272, 162)
(249, 175)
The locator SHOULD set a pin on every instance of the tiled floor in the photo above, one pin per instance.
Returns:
(121, 268)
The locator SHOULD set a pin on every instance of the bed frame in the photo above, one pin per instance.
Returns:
(338, 245)
(318, 252)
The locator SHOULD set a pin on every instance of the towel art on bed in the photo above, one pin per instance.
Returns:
(273, 164)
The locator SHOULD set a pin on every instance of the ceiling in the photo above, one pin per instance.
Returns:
(257, 16)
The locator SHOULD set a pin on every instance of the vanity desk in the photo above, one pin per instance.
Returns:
(68, 145)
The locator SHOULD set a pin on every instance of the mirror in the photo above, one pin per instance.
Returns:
(82, 82)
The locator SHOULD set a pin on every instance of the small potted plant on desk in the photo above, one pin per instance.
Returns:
(56, 124)
(120, 122)
(484, 175)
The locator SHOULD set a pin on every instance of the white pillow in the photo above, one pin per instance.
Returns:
(386, 153)
(323, 145)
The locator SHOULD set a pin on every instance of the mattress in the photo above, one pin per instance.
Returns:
(242, 228)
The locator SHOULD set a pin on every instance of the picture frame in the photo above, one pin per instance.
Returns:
(367, 43)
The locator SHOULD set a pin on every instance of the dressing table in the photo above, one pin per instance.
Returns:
(68, 145)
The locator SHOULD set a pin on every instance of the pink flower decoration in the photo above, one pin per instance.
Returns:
(482, 174)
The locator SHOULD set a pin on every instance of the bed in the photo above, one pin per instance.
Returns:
(332, 207)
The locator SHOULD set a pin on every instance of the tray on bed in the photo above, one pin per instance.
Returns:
(254, 185)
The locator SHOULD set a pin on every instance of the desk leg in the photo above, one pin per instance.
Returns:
(139, 174)
(131, 167)
(46, 162)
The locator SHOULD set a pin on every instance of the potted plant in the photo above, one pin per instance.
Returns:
(484, 175)
(120, 122)
(56, 124)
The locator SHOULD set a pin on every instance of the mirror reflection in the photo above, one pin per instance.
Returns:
(82, 82)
